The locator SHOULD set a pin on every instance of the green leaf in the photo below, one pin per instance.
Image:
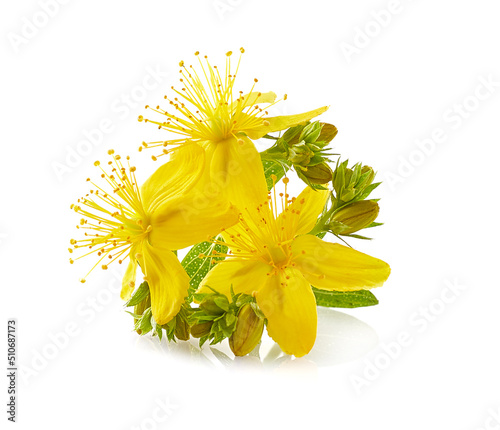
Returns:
(222, 303)
(199, 260)
(356, 236)
(374, 224)
(272, 167)
(144, 323)
(140, 294)
(367, 191)
(349, 299)
(159, 332)
(321, 234)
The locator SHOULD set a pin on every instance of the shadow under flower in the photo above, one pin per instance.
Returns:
(341, 338)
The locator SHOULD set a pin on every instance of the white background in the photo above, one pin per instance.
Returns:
(83, 366)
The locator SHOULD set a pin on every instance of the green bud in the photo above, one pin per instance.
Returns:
(201, 329)
(311, 132)
(182, 329)
(319, 174)
(354, 217)
(367, 170)
(353, 184)
(292, 135)
(300, 154)
(328, 132)
(248, 331)
(140, 308)
(215, 304)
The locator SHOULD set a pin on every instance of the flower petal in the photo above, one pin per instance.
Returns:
(190, 219)
(302, 214)
(168, 282)
(244, 276)
(278, 123)
(290, 311)
(256, 97)
(175, 177)
(335, 267)
(128, 282)
(236, 168)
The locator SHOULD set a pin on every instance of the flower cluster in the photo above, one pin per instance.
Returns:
(256, 254)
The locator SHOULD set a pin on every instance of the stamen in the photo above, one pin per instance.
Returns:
(205, 108)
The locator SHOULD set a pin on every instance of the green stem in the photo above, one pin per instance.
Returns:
(267, 136)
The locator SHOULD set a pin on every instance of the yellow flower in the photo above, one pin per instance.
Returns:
(272, 258)
(208, 111)
(147, 223)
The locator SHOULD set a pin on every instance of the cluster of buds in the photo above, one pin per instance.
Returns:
(303, 147)
(177, 328)
(352, 184)
(217, 318)
(349, 210)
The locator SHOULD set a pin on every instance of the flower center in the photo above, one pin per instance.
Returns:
(264, 235)
(279, 256)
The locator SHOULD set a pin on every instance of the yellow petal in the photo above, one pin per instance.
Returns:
(302, 214)
(236, 169)
(244, 276)
(190, 219)
(278, 123)
(251, 99)
(290, 311)
(331, 266)
(174, 178)
(128, 282)
(168, 282)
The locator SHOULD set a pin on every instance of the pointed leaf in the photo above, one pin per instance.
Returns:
(350, 299)
(199, 260)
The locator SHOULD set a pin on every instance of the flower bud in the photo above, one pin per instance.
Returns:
(300, 154)
(353, 184)
(370, 177)
(328, 132)
(354, 217)
(319, 174)
(201, 329)
(248, 331)
(140, 308)
(311, 132)
(182, 330)
(215, 304)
